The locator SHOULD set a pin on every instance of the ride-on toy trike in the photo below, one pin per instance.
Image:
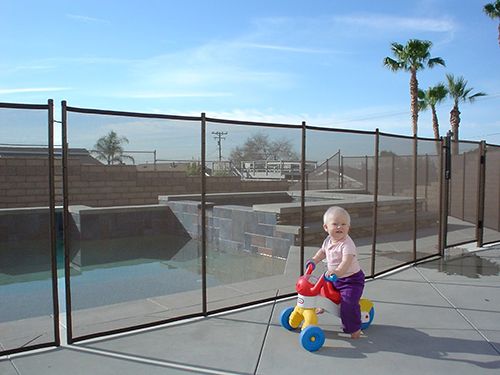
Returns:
(318, 293)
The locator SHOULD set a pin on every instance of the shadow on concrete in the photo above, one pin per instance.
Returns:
(412, 342)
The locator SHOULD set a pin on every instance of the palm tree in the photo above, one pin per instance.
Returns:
(109, 148)
(459, 92)
(429, 99)
(412, 57)
(492, 10)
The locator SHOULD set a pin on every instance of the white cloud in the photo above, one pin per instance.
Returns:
(214, 64)
(86, 19)
(166, 94)
(284, 48)
(380, 21)
(32, 90)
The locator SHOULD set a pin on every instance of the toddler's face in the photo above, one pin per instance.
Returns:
(337, 227)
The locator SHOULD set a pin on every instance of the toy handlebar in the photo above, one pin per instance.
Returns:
(310, 266)
(331, 278)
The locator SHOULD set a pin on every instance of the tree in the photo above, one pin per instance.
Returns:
(460, 93)
(193, 169)
(109, 148)
(429, 99)
(259, 147)
(412, 57)
(492, 10)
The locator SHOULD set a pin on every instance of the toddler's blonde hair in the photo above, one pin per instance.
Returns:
(336, 210)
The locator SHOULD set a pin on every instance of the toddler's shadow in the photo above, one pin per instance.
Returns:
(408, 341)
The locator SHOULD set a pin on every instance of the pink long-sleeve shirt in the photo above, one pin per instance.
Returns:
(334, 251)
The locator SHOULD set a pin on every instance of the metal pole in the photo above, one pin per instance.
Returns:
(463, 186)
(203, 218)
(440, 148)
(52, 220)
(446, 190)
(393, 171)
(375, 200)
(341, 169)
(66, 227)
(426, 180)
(415, 166)
(302, 196)
(327, 170)
(338, 169)
(481, 193)
(366, 174)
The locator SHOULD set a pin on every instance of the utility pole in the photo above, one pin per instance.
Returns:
(218, 137)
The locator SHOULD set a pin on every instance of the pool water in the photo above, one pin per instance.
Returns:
(170, 265)
(115, 271)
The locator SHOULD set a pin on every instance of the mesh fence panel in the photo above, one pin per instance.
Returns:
(26, 295)
(355, 152)
(395, 203)
(428, 197)
(464, 184)
(492, 195)
(253, 212)
(134, 253)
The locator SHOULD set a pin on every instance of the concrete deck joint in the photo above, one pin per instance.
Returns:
(259, 357)
(458, 310)
(154, 362)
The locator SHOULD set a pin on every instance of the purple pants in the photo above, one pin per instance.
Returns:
(351, 289)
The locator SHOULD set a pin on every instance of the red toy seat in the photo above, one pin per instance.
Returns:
(331, 293)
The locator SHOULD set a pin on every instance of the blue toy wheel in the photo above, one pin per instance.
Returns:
(312, 338)
(371, 315)
(285, 318)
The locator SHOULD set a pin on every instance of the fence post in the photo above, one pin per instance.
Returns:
(302, 196)
(415, 176)
(327, 171)
(366, 174)
(481, 194)
(375, 200)
(66, 228)
(426, 192)
(53, 239)
(341, 170)
(393, 171)
(203, 218)
(464, 166)
(446, 192)
(439, 149)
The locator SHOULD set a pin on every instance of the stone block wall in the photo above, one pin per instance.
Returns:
(113, 234)
(120, 222)
(24, 182)
(25, 224)
(236, 228)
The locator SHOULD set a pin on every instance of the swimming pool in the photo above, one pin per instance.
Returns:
(113, 271)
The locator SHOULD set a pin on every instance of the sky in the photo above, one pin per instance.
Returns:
(280, 61)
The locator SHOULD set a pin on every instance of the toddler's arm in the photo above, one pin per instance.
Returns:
(319, 256)
(343, 266)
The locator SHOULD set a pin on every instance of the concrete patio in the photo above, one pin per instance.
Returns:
(436, 317)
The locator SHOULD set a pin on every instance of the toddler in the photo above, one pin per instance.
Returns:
(341, 257)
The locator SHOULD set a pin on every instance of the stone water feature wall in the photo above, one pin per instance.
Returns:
(272, 224)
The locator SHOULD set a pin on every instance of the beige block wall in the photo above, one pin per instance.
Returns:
(24, 182)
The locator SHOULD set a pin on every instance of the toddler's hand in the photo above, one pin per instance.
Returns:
(330, 276)
(311, 263)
